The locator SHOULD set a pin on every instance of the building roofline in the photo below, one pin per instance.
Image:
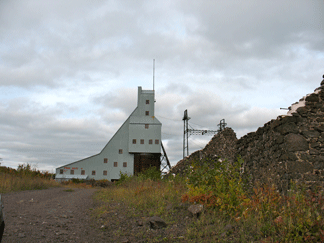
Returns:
(79, 160)
(140, 90)
(118, 130)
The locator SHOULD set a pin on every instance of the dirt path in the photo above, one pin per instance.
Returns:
(52, 215)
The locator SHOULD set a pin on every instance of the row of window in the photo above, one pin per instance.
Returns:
(94, 172)
(115, 163)
(157, 141)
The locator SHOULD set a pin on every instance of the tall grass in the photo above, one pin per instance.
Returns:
(24, 178)
(259, 214)
(145, 193)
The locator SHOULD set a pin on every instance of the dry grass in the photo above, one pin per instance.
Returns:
(260, 215)
(24, 178)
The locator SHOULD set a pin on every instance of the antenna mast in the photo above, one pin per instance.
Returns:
(153, 73)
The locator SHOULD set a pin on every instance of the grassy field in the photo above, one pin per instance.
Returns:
(232, 212)
(24, 178)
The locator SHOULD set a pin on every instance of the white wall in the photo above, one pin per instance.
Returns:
(133, 128)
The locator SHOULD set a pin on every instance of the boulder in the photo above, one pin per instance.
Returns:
(157, 223)
(196, 209)
(296, 142)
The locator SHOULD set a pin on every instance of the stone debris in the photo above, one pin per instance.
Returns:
(221, 146)
(139, 223)
(196, 209)
(21, 235)
(156, 223)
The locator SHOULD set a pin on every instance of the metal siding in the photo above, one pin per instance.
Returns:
(133, 127)
(138, 132)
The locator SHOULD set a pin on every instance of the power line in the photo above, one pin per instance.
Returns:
(167, 118)
(197, 124)
(197, 144)
(192, 131)
(169, 134)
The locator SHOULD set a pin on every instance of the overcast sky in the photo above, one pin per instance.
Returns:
(69, 69)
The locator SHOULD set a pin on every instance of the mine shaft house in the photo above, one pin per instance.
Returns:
(134, 147)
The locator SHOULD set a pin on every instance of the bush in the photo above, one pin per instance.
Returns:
(124, 177)
(216, 184)
(151, 173)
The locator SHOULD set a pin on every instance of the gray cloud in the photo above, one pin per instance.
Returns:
(69, 70)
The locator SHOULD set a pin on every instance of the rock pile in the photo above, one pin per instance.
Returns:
(288, 148)
(222, 145)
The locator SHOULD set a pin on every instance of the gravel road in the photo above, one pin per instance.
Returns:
(52, 215)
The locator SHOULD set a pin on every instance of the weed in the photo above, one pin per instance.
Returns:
(232, 212)
(219, 186)
(24, 178)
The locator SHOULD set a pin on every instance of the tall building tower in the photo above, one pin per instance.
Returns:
(134, 147)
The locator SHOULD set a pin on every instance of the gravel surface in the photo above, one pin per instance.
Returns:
(52, 215)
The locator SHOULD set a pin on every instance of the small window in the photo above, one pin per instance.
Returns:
(105, 160)
(134, 141)
(115, 164)
(61, 171)
(124, 164)
(142, 141)
(146, 126)
(93, 172)
(147, 102)
(72, 172)
(147, 113)
(157, 141)
(120, 151)
(151, 141)
(104, 172)
(82, 172)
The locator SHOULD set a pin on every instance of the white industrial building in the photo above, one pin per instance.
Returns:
(134, 147)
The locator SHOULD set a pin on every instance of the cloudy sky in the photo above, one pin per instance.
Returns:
(69, 70)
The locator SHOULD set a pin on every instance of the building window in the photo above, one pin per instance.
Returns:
(157, 141)
(93, 172)
(105, 160)
(120, 151)
(134, 141)
(151, 141)
(147, 113)
(124, 164)
(61, 171)
(142, 141)
(147, 102)
(146, 126)
(104, 172)
(115, 164)
(82, 172)
(72, 172)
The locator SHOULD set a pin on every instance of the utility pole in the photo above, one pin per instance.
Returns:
(187, 131)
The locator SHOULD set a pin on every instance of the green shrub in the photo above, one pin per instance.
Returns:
(216, 184)
(124, 177)
(151, 173)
